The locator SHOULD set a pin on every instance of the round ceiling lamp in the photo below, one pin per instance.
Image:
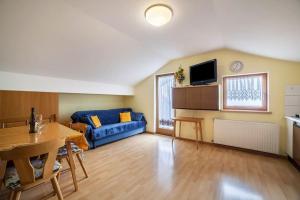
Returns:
(158, 14)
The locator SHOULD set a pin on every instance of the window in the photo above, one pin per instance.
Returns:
(246, 92)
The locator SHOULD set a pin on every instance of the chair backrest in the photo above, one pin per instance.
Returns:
(47, 119)
(7, 123)
(80, 127)
(21, 157)
(50, 118)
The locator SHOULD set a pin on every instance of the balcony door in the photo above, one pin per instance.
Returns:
(164, 114)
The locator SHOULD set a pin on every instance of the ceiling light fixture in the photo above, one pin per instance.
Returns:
(158, 14)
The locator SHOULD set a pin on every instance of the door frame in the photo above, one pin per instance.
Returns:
(160, 130)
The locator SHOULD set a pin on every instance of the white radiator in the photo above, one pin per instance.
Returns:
(249, 135)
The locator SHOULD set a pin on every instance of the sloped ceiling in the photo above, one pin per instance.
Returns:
(110, 42)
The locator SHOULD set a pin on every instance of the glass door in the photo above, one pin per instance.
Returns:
(164, 114)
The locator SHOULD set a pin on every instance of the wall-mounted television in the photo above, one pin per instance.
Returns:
(203, 73)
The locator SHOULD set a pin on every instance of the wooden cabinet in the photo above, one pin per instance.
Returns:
(180, 100)
(209, 98)
(293, 140)
(296, 143)
(18, 104)
(193, 98)
(196, 98)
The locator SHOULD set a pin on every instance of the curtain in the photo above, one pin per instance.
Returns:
(165, 111)
(244, 90)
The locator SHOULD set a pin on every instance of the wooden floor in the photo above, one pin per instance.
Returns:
(146, 167)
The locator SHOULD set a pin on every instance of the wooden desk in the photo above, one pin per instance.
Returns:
(198, 126)
(17, 136)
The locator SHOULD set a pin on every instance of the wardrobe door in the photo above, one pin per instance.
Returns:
(196, 98)
(179, 98)
(209, 98)
(193, 98)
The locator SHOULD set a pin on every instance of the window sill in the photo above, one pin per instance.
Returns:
(247, 111)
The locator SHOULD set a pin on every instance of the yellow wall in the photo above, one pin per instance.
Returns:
(70, 103)
(143, 101)
(281, 74)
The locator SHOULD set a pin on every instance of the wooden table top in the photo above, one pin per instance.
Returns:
(187, 119)
(16, 136)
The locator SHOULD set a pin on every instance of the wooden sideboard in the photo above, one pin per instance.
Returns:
(196, 97)
(293, 139)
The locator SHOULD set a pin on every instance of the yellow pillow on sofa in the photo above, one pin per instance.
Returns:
(96, 121)
(125, 117)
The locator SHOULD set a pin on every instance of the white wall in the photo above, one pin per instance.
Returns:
(24, 82)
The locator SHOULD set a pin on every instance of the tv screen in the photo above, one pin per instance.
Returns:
(203, 73)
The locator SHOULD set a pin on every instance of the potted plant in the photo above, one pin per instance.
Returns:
(179, 75)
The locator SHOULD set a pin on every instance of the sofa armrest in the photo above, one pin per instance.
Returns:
(138, 116)
(144, 119)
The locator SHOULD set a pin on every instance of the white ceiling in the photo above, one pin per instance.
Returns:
(109, 41)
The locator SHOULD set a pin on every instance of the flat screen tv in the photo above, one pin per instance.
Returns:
(203, 73)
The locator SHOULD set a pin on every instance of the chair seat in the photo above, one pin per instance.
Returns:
(12, 180)
(62, 151)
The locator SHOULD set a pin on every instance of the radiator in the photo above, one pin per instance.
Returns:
(249, 135)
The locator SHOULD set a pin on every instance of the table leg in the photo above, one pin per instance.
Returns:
(72, 164)
(174, 132)
(179, 128)
(2, 171)
(200, 128)
(197, 141)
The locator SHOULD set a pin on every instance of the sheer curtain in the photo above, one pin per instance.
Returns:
(245, 91)
(165, 111)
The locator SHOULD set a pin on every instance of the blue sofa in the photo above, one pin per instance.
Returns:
(111, 129)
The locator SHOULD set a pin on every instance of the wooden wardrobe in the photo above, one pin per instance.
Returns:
(16, 105)
(196, 97)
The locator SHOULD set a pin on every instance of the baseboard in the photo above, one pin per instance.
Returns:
(251, 151)
(235, 148)
(166, 134)
(149, 132)
(294, 163)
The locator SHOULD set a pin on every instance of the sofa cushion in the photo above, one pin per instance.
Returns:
(125, 117)
(99, 133)
(111, 116)
(117, 128)
(62, 151)
(12, 180)
(136, 116)
(96, 121)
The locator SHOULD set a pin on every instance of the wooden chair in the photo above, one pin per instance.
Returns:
(62, 153)
(80, 127)
(14, 122)
(50, 118)
(7, 123)
(30, 173)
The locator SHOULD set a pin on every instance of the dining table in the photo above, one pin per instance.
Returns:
(19, 136)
